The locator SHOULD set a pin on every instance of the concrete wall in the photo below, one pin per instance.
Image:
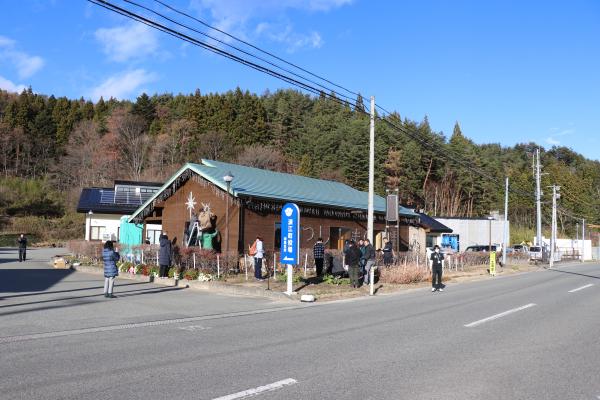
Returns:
(570, 246)
(475, 231)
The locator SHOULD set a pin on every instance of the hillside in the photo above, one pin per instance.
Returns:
(52, 147)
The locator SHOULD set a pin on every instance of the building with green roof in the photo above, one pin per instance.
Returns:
(332, 210)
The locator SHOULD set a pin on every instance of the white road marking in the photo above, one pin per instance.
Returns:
(502, 314)
(581, 288)
(109, 328)
(261, 389)
(194, 328)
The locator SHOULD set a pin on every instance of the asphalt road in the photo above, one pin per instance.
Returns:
(530, 336)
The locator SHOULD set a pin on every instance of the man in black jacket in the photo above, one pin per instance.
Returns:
(437, 259)
(22, 241)
(369, 256)
(353, 256)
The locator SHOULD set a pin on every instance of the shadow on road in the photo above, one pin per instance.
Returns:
(21, 280)
(81, 300)
(98, 281)
(574, 273)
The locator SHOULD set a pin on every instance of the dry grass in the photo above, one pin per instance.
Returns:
(405, 274)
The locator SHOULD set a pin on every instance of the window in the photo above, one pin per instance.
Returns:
(153, 236)
(96, 232)
(338, 235)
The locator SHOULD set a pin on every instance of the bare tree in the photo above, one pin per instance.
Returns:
(263, 157)
(134, 143)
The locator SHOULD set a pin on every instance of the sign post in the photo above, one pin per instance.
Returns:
(493, 263)
(290, 241)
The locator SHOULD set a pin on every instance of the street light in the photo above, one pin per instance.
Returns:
(89, 232)
(228, 178)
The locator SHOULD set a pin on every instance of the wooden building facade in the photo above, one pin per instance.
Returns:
(330, 210)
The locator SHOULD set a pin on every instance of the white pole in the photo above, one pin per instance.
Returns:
(218, 267)
(582, 240)
(538, 199)
(371, 172)
(194, 257)
(552, 235)
(505, 235)
(305, 262)
(246, 265)
(274, 266)
(157, 258)
(290, 271)
(371, 279)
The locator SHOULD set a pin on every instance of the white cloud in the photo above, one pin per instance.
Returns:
(238, 17)
(123, 85)
(557, 132)
(10, 86)
(25, 64)
(124, 43)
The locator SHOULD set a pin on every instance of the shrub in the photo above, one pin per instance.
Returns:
(143, 270)
(154, 271)
(296, 278)
(191, 274)
(173, 271)
(335, 280)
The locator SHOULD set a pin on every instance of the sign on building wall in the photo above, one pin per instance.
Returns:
(290, 234)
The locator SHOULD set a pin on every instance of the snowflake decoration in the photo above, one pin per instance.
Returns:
(191, 203)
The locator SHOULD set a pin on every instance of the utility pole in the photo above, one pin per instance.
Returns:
(538, 198)
(555, 196)
(505, 235)
(582, 239)
(371, 172)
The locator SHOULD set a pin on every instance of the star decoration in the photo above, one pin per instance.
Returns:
(191, 203)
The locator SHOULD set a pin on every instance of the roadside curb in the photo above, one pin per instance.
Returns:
(212, 287)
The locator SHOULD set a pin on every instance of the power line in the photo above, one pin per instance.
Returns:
(231, 46)
(255, 47)
(299, 80)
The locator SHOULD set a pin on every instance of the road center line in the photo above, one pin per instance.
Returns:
(261, 389)
(581, 288)
(496, 316)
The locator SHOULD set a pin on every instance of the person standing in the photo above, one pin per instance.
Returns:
(22, 241)
(437, 260)
(369, 256)
(319, 256)
(353, 261)
(110, 258)
(258, 258)
(388, 253)
(164, 255)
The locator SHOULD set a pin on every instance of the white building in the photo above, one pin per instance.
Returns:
(473, 232)
(104, 208)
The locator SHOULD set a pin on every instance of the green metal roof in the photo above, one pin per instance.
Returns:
(260, 183)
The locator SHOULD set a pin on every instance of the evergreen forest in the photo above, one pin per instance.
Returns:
(52, 147)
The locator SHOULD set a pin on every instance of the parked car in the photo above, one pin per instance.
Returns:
(536, 254)
(479, 248)
(521, 248)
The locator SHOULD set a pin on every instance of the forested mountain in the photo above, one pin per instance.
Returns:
(63, 145)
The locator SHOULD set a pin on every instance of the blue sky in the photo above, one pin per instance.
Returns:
(508, 71)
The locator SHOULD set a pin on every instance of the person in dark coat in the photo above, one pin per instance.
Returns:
(164, 255)
(437, 260)
(22, 241)
(110, 258)
(369, 256)
(353, 256)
